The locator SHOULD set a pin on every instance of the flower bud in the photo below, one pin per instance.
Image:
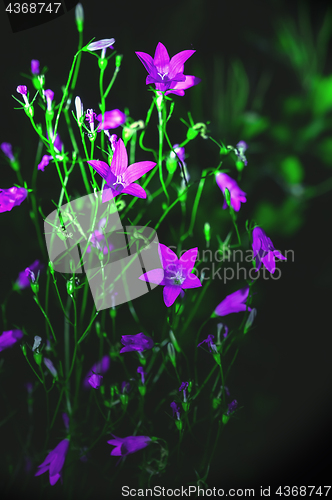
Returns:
(118, 60)
(171, 353)
(250, 319)
(142, 390)
(79, 110)
(79, 17)
(171, 164)
(24, 349)
(207, 233)
(227, 195)
(174, 341)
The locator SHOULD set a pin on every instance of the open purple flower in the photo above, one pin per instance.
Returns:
(95, 380)
(233, 303)
(237, 195)
(176, 274)
(112, 119)
(264, 250)
(35, 67)
(7, 149)
(210, 342)
(165, 73)
(119, 177)
(12, 197)
(54, 461)
(138, 342)
(9, 338)
(127, 445)
(100, 368)
(23, 279)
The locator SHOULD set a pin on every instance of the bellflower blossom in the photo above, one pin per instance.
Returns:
(54, 461)
(12, 197)
(101, 44)
(100, 368)
(47, 158)
(9, 338)
(95, 380)
(127, 445)
(233, 303)
(23, 279)
(112, 119)
(176, 274)
(176, 409)
(141, 371)
(165, 73)
(23, 90)
(7, 149)
(119, 177)
(35, 67)
(138, 342)
(264, 250)
(237, 195)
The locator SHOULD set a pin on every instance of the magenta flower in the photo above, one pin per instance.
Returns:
(44, 162)
(165, 73)
(101, 44)
(210, 342)
(22, 89)
(119, 177)
(9, 338)
(23, 279)
(49, 94)
(100, 368)
(95, 380)
(176, 274)
(264, 250)
(112, 119)
(12, 197)
(127, 445)
(233, 303)
(35, 67)
(7, 149)
(237, 195)
(54, 461)
(138, 342)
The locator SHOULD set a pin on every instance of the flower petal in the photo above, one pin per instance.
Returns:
(187, 260)
(54, 479)
(192, 281)
(177, 62)
(180, 87)
(136, 170)
(108, 193)
(135, 190)
(233, 303)
(120, 159)
(100, 167)
(155, 276)
(269, 262)
(167, 256)
(161, 59)
(146, 60)
(171, 293)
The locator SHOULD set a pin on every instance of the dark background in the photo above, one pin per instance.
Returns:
(282, 376)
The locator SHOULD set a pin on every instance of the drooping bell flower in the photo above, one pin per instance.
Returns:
(54, 462)
(165, 73)
(138, 342)
(100, 368)
(234, 303)
(9, 338)
(95, 380)
(264, 250)
(101, 44)
(112, 119)
(127, 445)
(12, 197)
(237, 195)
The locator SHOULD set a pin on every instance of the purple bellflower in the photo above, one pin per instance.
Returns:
(54, 461)
(233, 303)
(176, 409)
(264, 250)
(232, 406)
(95, 380)
(165, 73)
(23, 279)
(138, 342)
(237, 195)
(127, 445)
(6, 148)
(23, 90)
(141, 371)
(9, 338)
(119, 177)
(210, 342)
(112, 119)
(12, 197)
(100, 368)
(35, 67)
(184, 388)
(176, 274)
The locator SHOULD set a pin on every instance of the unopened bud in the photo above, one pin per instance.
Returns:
(207, 233)
(174, 341)
(171, 353)
(79, 17)
(118, 60)
(250, 320)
